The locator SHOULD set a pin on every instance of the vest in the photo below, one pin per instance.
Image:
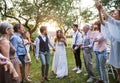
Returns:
(43, 44)
(86, 43)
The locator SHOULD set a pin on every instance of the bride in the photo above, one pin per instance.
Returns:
(59, 66)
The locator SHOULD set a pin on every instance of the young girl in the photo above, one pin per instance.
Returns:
(100, 49)
(27, 43)
(59, 66)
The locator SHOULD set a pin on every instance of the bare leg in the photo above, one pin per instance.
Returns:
(27, 69)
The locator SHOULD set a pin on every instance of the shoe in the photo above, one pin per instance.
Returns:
(43, 80)
(29, 76)
(78, 71)
(46, 78)
(90, 80)
(74, 69)
(86, 74)
(99, 81)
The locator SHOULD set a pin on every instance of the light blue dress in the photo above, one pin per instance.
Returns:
(111, 30)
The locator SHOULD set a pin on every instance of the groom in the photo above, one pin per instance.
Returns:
(77, 41)
(43, 51)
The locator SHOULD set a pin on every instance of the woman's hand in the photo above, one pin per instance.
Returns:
(62, 40)
(98, 5)
(3, 61)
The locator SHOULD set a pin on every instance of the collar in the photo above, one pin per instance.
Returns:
(43, 35)
(17, 34)
(76, 32)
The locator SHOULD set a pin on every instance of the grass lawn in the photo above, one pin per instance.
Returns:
(72, 78)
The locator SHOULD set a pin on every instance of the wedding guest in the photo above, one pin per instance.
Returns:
(43, 51)
(8, 51)
(100, 49)
(87, 53)
(76, 42)
(113, 27)
(27, 42)
(2, 62)
(18, 43)
(59, 66)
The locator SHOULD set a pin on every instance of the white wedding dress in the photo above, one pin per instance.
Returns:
(59, 66)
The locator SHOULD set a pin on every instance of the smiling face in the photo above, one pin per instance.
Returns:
(116, 14)
(59, 34)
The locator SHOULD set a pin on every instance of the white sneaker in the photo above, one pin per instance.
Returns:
(86, 74)
(78, 71)
(90, 80)
(74, 69)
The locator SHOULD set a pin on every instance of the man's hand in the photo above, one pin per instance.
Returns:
(74, 50)
(37, 60)
(82, 47)
(54, 49)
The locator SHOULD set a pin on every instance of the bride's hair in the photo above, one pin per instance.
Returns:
(58, 37)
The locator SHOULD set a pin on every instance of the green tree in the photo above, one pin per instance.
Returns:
(35, 11)
(110, 4)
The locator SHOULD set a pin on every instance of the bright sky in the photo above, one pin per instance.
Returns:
(84, 4)
(87, 3)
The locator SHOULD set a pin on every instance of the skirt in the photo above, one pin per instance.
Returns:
(6, 77)
(16, 63)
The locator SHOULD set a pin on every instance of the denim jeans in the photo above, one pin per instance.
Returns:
(101, 58)
(22, 59)
(45, 60)
(45, 57)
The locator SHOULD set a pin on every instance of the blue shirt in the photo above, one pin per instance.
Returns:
(18, 43)
(90, 40)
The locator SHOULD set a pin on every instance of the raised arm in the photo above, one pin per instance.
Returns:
(101, 18)
(101, 9)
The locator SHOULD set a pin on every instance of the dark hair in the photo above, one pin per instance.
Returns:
(17, 27)
(4, 26)
(98, 24)
(43, 28)
(75, 25)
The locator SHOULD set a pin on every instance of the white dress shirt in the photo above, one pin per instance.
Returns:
(38, 44)
(77, 39)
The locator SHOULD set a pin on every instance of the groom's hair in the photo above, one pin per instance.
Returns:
(75, 25)
(43, 28)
